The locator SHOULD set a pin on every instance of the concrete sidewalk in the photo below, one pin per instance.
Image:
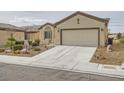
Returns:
(13, 72)
(69, 58)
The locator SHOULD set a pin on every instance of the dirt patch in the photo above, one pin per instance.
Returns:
(116, 57)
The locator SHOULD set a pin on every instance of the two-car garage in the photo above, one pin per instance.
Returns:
(81, 29)
(80, 37)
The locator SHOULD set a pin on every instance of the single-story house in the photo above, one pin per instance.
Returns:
(6, 33)
(78, 29)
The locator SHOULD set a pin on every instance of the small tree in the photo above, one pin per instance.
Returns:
(11, 42)
(118, 35)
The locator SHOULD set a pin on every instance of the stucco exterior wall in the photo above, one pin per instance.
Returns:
(84, 22)
(32, 36)
(20, 36)
(4, 35)
(41, 36)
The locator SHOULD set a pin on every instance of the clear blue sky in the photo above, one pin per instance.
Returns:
(40, 17)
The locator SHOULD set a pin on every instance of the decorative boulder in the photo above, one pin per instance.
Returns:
(26, 45)
(24, 51)
(8, 51)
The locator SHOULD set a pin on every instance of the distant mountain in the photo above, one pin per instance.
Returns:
(31, 28)
(24, 28)
(9, 26)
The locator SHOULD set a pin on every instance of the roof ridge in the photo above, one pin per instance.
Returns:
(47, 23)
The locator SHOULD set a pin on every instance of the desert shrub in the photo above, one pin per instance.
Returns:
(37, 49)
(19, 42)
(30, 42)
(11, 39)
(122, 40)
(118, 35)
(10, 44)
(35, 44)
(38, 41)
(17, 47)
(2, 50)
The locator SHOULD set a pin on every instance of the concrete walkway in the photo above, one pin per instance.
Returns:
(69, 58)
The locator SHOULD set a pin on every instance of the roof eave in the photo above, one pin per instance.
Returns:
(9, 29)
(84, 14)
(45, 25)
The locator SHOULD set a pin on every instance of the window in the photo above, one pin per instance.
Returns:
(78, 21)
(47, 35)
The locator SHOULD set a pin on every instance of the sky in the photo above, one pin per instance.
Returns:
(23, 18)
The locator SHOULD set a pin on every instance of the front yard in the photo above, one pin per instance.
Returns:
(23, 48)
(32, 52)
(116, 57)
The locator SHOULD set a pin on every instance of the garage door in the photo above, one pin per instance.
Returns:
(87, 37)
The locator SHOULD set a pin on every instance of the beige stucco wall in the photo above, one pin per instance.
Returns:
(4, 35)
(32, 36)
(20, 36)
(85, 22)
(41, 34)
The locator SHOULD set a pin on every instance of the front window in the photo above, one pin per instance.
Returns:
(47, 35)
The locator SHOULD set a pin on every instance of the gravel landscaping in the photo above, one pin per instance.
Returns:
(32, 52)
(116, 57)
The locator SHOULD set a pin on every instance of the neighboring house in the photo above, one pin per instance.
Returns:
(6, 33)
(32, 32)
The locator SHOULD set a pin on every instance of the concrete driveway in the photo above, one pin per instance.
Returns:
(65, 57)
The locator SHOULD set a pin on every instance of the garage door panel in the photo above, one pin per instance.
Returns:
(80, 37)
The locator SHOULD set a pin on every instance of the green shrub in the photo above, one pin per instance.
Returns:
(122, 40)
(35, 44)
(17, 47)
(11, 39)
(19, 42)
(30, 42)
(38, 41)
(11, 42)
(119, 35)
